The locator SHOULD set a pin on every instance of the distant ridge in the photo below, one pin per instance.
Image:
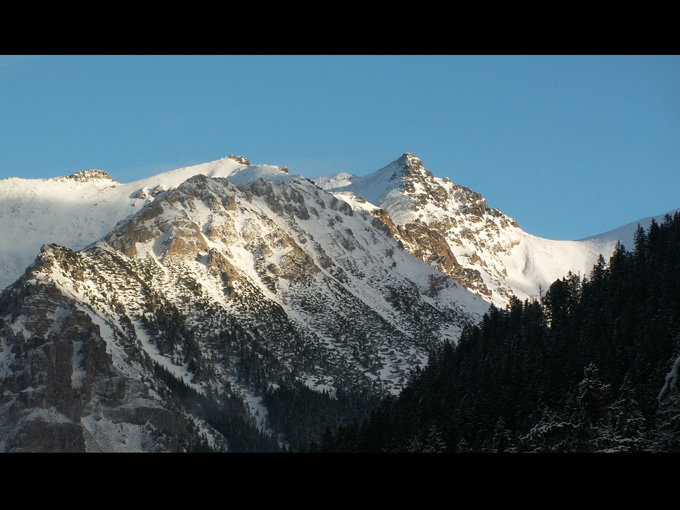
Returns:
(626, 233)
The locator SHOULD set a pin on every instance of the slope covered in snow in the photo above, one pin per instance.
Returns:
(452, 228)
(446, 225)
(78, 210)
(236, 289)
(626, 233)
(251, 291)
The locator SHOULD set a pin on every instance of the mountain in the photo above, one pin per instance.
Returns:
(236, 307)
(593, 367)
(77, 210)
(453, 229)
(195, 310)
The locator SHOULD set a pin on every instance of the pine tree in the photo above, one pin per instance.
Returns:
(628, 421)
(502, 437)
(640, 240)
(667, 430)
(434, 443)
(596, 351)
(594, 427)
(551, 435)
(463, 446)
(592, 394)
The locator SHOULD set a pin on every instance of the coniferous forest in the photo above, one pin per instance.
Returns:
(592, 365)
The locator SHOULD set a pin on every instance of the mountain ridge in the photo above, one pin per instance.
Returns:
(626, 233)
(229, 306)
(453, 228)
(228, 292)
(77, 210)
(51, 208)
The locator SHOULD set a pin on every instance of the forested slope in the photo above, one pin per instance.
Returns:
(591, 366)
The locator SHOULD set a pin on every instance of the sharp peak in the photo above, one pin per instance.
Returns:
(406, 165)
(408, 160)
(409, 157)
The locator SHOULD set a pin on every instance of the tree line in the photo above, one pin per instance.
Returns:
(590, 366)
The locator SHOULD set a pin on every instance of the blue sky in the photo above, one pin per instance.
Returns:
(568, 145)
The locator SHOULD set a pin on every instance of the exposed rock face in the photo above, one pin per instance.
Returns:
(196, 309)
(453, 229)
(215, 294)
(62, 391)
(431, 217)
(90, 175)
(240, 159)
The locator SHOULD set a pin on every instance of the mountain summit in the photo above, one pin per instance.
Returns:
(80, 209)
(237, 307)
(377, 186)
(452, 228)
(212, 303)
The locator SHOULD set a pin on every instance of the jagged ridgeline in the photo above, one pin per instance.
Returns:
(452, 228)
(242, 313)
(237, 307)
(593, 366)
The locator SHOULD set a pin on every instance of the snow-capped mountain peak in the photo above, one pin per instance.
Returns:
(377, 186)
(77, 210)
(236, 282)
(452, 228)
(202, 308)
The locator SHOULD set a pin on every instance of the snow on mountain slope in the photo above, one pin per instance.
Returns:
(228, 287)
(626, 233)
(223, 283)
(446, 225)
(452, 228)
(335, 180)
(78, 210)
(292, 244)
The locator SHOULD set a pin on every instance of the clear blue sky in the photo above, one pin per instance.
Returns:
(569, 146)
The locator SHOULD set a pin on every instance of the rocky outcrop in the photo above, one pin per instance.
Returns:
(61, 387)
(446, 225)
(240, 159)
(90, 175)
(171, 333)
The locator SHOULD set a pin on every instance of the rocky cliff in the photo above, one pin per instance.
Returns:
(188, 322)
(452, 228)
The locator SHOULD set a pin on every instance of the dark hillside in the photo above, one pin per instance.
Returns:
(590, 367)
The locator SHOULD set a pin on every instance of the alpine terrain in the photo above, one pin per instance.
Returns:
(453, 229)
(236, 307)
